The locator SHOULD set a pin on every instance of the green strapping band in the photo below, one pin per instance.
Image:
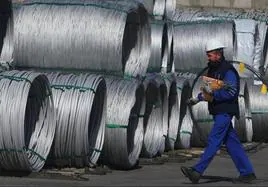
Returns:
(116, 126)
(185, 132)
(204, 120)
(128, 76)
(106, 6)
(173, 139)
(80, 88)
(14, 78)
(259, 111)
(179, 88)
(198, 22)
(94, 149)
(23, 150)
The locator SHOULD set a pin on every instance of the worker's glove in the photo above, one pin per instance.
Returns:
(207, 96)
(192, 101)
(206, 88)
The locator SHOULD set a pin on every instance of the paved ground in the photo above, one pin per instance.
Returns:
(167, 174)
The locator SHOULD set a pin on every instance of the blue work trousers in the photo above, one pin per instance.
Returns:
(224, 133)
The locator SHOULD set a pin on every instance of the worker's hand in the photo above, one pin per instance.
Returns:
(207, 97)
(206, 88)
(192, 101)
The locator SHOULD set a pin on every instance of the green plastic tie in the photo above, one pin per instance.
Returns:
(14, 78)
(179, 88)
(105, 6)
(259, 111)
(116, 126)
(23, 150)
(68, 87)
(185, 132)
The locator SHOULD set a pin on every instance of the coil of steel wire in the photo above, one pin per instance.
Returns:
(190, 40)
(124, 125)
(149, 5)
(82, 32)
(168, 59)
(5, 16)
(259, 110)
(170, 8)
(173, 110)
(160, 84)
(159, 9)
(28, 120)
(159, 46)
(243, 125)
(203, 121)
(80, 101)
(6, 55)
(153, 120)
(185, 122)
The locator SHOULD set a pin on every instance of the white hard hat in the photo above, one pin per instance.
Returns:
(213, 45)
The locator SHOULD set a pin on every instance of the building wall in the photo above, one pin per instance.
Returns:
(255, 4)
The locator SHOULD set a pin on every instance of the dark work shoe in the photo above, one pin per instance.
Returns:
(246, 178)
(190, 173)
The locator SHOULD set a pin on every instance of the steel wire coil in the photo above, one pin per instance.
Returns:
(259, 106)
(203, 121)
(170, 8)
(58, 33)
(159, 46)
(5, 16)
(160, 84)
(159, 9)
(185, 122)
(168, 58)
(6, 55)
(80, 101)
(124, 126)
(149, 5)
(153, 120)
(186, 129)
(243, 125)
(28, 120)
(190, 40)
(173, 110)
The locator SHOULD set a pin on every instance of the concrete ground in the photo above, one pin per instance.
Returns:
(167, 174)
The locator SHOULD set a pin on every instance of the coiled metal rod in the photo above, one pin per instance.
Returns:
(80, 101)
(28, 120)
(185, 122)
(124, 125)
(55, 34)
(153, 120)
(190, 40)
(243, 125)
(159, 46)
(173, 110)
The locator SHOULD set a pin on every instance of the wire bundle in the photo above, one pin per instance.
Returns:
(170, 8)
(159, 46)
(168, 59)
(153, 120)
(80, 101)
(156, 79)
(246, 31)
(243, 125)
(190, 40)
(259, 110)
(5, 18)
(173, 110)
(124, 125)
(55, 34)
(203, 121)
(159, 9)
(185, 121)
(28, 120)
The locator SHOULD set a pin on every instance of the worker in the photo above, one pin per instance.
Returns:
(223, 105)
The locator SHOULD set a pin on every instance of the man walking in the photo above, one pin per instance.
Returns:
(223, 105)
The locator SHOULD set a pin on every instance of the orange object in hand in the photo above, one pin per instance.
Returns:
(214, 84)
